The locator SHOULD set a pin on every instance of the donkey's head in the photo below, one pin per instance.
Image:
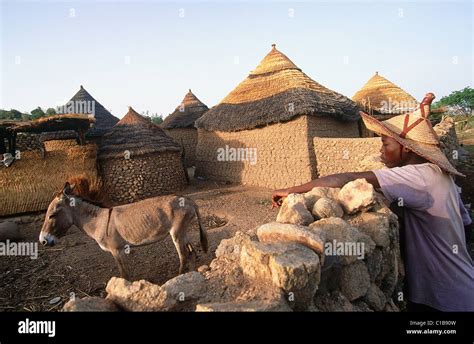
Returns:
(59, 216)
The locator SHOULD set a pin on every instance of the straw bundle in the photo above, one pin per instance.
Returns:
(31, 182)
(276, 91)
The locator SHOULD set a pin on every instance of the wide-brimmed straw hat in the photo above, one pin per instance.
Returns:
(415, 132)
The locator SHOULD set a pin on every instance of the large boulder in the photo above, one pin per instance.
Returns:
(357, 195)
(327, 207)
(355, 280)
(245, 306)
(293, 268)
(316, 193)
(332, 302)
(375, 298)
(342, 240)
(293, 210)
(275, 232)
(230, 248)
(375, 225)
(179, 293)
(90, 304)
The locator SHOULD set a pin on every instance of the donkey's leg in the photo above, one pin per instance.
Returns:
(180, 245)
(118, 256)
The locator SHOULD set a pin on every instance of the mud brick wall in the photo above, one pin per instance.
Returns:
(283, 158)
(54, 145)
(188, 139)
(144, 176)
(328, 127)
(337, 155)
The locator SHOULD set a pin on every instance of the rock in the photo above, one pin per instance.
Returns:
(374, 264)
(293, 210)
(203, 268)
(138, 296)
(355, 280)
(230, 248)
(357, 195)
(293, 268)
(343, 240)
(326, 207)
(249, 306)
(182, 289)
(54, 300)
(9, 231)
(312, 196)
(275, 232)
(90, 304)
(375, 298)
(389, 273)
(142, 295)
(375, 225)
(332, 302)
(361, 306)
(391, 307)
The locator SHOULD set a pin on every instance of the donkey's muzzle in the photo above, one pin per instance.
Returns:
(47, 239)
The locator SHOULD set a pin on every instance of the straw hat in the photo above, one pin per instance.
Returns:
(415, 132)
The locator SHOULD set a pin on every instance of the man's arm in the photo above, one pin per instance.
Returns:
(331, 181)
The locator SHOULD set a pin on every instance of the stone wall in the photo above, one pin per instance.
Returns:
(28, 141)
(337, 155)
(130, 180)
(188, 139)
(449, 143)
(54, 145)
(283, 157)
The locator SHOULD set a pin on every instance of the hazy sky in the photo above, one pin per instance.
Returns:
(148, 54)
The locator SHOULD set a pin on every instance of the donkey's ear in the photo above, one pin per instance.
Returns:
(67, 190)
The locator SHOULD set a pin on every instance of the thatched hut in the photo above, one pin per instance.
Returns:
(82, 102)
(138, 160)
(273, 114)
(180, 125)
(383, 99)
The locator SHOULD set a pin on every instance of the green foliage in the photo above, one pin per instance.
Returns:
(462, 101)
(154, 118)
(13, 115)
(50, 112)
(37, 113)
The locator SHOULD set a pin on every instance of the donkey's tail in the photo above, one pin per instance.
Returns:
(202, 232)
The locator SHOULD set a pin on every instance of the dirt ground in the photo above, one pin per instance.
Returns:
(77, 264)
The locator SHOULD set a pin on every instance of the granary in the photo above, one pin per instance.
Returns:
(383, 99)
(180, 125)
(83, 103)
(261, 133)
(138, 160)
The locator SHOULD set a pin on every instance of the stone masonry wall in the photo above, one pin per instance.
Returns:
(188, 139)
(137, 178)
(28, 141)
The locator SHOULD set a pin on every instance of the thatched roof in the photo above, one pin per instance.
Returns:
(184, 116)
(77, 122)
(381, 96)
(104, 119)
(276, 91)
(136, 134)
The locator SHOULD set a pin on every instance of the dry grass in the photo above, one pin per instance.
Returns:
(31, 182)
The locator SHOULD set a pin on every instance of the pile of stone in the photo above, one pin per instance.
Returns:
(449, 143)
(329, 250)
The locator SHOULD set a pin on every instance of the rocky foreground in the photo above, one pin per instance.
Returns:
(329, 250)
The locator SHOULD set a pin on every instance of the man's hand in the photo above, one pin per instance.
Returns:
(278, 196)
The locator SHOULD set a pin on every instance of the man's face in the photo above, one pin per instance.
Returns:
(391, 152)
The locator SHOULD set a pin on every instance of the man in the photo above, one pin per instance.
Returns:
(439, 270)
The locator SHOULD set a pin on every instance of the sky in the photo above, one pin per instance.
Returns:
(147, 54)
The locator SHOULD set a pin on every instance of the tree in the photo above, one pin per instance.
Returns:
(157, 119)
(37, 113)
(12, 114)
(50, 112)
(459, 102)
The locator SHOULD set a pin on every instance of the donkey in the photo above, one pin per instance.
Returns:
(135, 224)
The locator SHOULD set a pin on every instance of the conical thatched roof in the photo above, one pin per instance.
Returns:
(380, 95)
(137, 135)
(276, 91)
(104, 120)
(190, 109)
